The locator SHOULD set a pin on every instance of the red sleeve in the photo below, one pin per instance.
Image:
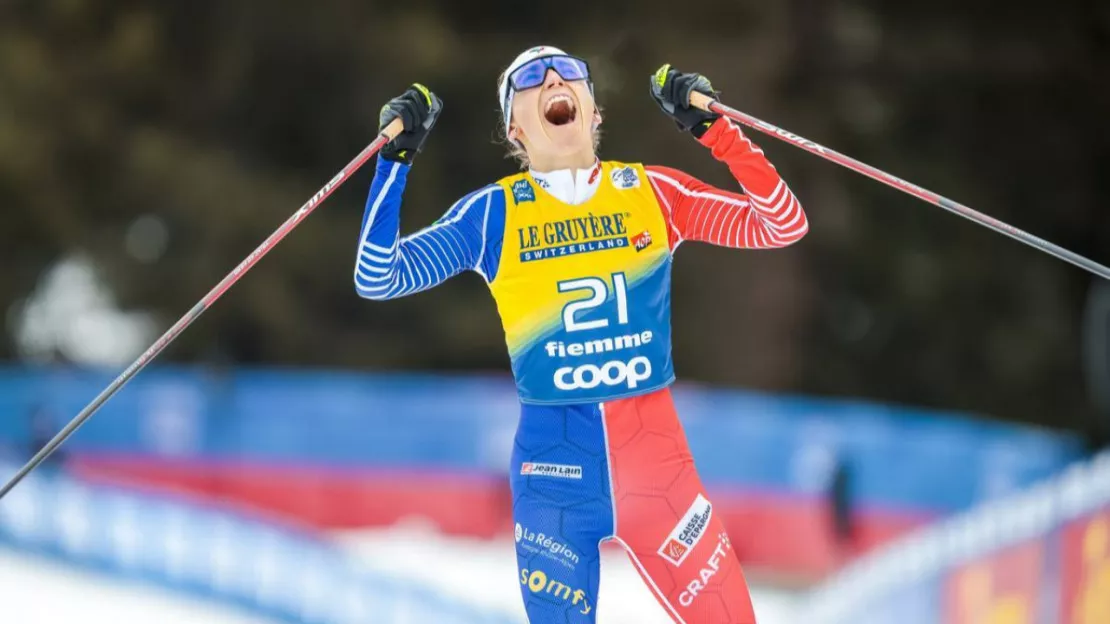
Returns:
(765, 216)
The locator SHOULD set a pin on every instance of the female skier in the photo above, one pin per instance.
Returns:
(577, 254)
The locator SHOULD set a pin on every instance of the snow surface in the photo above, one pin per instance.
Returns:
(38, 591)
(480, 572)
(484, 574)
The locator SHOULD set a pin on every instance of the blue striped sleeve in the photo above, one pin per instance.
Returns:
(389, 266)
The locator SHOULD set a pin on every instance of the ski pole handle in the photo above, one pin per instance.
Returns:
(395, 128)
(702, 101)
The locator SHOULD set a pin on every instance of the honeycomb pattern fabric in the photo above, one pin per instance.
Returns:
(620, 470)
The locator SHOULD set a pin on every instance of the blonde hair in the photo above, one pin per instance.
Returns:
(515, 150)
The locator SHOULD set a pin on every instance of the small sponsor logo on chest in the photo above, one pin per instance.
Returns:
(522, 192)
(625, 178)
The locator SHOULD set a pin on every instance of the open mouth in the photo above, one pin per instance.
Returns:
(560, 110)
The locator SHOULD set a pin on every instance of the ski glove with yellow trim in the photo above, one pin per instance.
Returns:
(671, 90)
(418, 108)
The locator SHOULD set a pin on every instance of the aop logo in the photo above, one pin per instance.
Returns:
(614, 373)
(522, 192)
(687, 533)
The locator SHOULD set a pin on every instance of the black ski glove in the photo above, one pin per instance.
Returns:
(418, 109)
(671, 90)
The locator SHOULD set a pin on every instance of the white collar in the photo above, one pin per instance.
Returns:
(570, 186)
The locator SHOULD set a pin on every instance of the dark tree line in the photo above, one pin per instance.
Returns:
(220, 118)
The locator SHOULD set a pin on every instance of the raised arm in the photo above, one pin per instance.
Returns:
(765, 216)
(389, 266)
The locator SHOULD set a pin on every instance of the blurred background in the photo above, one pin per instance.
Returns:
(901, 386)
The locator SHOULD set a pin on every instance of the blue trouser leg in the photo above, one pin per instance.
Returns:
(563, 509)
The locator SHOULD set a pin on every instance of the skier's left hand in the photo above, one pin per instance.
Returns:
(671, 90)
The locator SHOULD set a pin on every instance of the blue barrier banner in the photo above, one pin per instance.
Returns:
(272, 570)
(918, 460)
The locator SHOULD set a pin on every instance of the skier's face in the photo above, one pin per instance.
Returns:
(555, 119)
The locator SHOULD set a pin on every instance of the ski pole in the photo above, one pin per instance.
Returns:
(707, 103)
(386, 135)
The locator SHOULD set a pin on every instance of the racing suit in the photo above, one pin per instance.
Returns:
(579, 264)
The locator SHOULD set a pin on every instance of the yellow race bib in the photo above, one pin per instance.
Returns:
(584, 291)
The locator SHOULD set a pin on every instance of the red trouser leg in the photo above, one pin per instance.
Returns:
(664, 518)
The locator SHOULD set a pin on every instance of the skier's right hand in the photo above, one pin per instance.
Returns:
(418, 108)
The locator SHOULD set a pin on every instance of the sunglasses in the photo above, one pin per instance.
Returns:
(534, 72)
